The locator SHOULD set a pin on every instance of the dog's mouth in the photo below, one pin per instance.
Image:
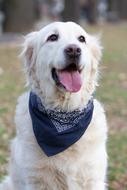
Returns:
(68, 78)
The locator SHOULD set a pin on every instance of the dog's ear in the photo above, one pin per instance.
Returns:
(96, 54)
(28, 54)
(95, 48)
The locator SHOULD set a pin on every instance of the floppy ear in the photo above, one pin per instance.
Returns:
(28, 54)
(96, 49)
(96, 54)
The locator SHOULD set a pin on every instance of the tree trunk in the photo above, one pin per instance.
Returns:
(92, 11)
(71, 11)
(119, 7)
(123, 9)
(19, 15)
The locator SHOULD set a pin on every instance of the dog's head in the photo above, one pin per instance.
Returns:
(62, 61)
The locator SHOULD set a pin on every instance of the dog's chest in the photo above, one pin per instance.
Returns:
(64, 172)
(67, 179)
(69, 174)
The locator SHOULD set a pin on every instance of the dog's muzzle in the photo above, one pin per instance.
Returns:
(72, 54)
(69, 78)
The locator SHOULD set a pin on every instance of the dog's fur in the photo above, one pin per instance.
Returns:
(83, 165)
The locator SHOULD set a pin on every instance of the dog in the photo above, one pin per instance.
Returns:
(61, 128)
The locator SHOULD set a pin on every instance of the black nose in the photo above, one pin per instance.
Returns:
(72, 51)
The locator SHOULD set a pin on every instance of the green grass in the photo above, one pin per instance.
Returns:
(118, 160)
(112, 92)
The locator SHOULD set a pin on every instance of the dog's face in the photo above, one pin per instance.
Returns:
(62, 58)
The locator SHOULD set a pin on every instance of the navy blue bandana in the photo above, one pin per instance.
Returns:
(56, 130)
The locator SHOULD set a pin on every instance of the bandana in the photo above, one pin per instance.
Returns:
(56, 130)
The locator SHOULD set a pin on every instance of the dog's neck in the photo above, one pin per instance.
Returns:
(64, 100)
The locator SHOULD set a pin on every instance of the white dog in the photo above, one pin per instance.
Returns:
(61, 129)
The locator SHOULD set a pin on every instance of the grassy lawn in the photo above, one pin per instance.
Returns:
(112, 92)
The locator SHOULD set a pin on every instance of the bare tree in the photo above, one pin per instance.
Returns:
(71, 11)
(92, 11)
(19, 15)
(123, 9)
(119, 7)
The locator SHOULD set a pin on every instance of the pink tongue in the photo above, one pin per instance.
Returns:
(71, 80)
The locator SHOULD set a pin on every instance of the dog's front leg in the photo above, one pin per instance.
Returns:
(97, 178)
(95, 185)
(38, 186)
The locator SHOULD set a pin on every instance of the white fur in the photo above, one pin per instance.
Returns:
(83, 165)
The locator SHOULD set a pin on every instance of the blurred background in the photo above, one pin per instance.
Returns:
(108, 17)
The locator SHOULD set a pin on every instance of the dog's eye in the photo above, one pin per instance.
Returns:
(53, 37)
(82, 39)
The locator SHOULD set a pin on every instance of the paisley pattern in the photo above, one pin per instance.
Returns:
(63, 120)
(56, 130)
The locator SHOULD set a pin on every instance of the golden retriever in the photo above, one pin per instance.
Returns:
(61, 63)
